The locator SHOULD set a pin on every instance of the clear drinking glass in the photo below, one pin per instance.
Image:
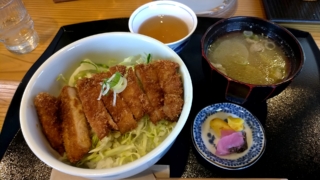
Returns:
(16, 27)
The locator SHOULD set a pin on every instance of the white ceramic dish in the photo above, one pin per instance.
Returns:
(211, 8)
(170, 8)
(98, 48)
(205, 141)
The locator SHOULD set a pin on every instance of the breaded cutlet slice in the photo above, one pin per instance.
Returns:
(171, 84)
(150, 85)
(47, 107)
(75, 129)
(98, 117)
(118, 68)
(172, 106)
(135, 98)
(120, 113)
(169, 77)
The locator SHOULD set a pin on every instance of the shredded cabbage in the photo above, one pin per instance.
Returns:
(138, 59)
(86, 69)
(116, 149)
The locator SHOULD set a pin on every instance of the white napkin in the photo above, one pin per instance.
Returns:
(155, 171)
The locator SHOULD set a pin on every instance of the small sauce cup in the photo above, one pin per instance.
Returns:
(165, 8)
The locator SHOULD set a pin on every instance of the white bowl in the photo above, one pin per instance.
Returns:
(98, 48)
(169, 8)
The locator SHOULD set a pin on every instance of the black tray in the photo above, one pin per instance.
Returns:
(291, 119)
(292, 11)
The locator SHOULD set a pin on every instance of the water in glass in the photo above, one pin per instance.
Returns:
(16, 27)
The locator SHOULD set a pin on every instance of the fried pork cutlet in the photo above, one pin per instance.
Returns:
(97, 115)
(118, 68)
(150, 84)
(135, 98)
(171, 84)
(75, 129)
(47, 107)
(120, 113)
(169, 78)
(172, 106)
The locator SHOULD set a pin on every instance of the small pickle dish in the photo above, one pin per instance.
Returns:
(228, 136)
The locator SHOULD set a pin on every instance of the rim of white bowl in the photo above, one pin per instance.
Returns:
(180, 5)
(115, 171)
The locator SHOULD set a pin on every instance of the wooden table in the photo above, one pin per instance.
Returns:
(49, 17)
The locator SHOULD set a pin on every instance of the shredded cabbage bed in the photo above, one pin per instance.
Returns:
(116, 149)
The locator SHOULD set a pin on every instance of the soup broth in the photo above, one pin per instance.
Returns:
(166, 29)
(250, 58)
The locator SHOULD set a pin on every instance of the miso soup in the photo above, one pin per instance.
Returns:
(166, 29)
(250, 58)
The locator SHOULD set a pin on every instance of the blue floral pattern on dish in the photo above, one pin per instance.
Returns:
(258, 136)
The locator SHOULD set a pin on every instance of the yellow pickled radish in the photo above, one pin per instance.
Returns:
(218, 124)
(235, 123)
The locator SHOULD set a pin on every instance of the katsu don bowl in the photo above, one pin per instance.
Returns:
(107, 106)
